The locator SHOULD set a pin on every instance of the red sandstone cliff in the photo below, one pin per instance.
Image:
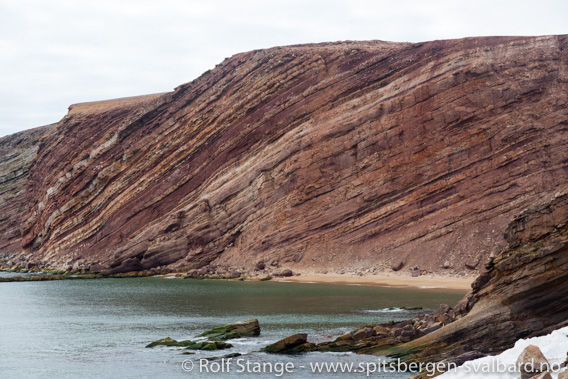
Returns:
(353, 154)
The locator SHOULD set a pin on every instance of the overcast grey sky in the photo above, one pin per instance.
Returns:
(54, 53)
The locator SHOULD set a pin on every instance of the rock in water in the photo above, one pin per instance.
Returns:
(167, 341)
(250, 328)
(191, 345)
(296, 343)
(532, 362)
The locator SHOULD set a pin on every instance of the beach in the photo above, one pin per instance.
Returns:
(462, 284)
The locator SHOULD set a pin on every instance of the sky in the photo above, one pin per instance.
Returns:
(54, 53)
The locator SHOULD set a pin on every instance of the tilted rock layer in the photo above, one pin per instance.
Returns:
(521, 293)
(351, 154)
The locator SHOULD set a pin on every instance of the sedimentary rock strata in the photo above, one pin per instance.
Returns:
(351, 155)
(17, 153)
(522, 293)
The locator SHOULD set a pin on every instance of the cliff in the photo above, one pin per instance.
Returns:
(327, 156)
(17, 153)
(521, 293)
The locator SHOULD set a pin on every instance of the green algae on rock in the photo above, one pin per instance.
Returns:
(249, 328)
(191, 345)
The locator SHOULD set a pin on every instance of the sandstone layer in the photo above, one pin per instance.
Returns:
(326, 156)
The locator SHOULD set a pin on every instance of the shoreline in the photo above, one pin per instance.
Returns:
(381, 279)
(384, 279)
(460, 285)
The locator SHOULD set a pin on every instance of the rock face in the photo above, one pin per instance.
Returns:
(17, 153)
(521, 294)
(333, 155)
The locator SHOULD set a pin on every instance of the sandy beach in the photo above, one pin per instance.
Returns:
(388, 280)
(427, 282)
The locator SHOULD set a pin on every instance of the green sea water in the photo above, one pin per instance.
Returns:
(99, 328)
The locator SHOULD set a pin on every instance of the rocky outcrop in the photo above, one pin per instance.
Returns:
(373, 337)
(350, 154)
(521, 294)
(17, 154)
(250, 328)
(297, 343)
(191, 345)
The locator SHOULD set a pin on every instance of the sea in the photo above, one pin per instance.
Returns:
(98, 328)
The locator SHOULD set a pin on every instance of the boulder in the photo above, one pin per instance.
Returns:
(292, 344)
(260, 266)
(563, 374)
(167, 341)
(471, 264)
(364, 333)
(416, 273)
(532, 362)
(381, 330)
(398, 266)
(249, 328)
(286, 273)
(191, 345)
